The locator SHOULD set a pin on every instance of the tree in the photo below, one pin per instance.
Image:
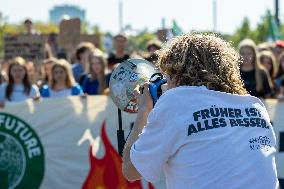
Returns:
(3, 21)
(139, 41)
(97, 31)
(242, 32)
(260, 34)
(46, 28)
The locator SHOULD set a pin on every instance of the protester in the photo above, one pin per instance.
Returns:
(152, 47)
(278, 49)
(28, 24)
(95, 81)
(264, 47)
(120, 54)
(256, 79)
(267, 60)
(31, 72)
(82, 54)
(52, 44)
(280, 71)
(62, 82)
(18, 88)
(46, 71)
(207, 142)
(3, 75)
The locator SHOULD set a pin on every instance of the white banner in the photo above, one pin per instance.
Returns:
(72, 143)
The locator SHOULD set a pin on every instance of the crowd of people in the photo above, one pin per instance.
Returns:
(56, 76)
(261, 66)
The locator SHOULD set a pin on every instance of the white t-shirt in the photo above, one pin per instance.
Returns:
(60, 93)
(18, 94)
(204, 139)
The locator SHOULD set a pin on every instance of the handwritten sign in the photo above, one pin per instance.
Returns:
(69, 33)
(30, 47)
(93, 38)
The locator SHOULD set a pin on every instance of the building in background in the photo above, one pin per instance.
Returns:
(66, 11)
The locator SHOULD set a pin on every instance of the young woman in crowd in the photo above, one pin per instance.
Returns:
(31, 72)
(95, 82)
(61, 82)
(280, 71)
(279, 81)
(46, 71)
(120, 42)
(256, 79)
(267, 60)
(82, 54)
(19, 88)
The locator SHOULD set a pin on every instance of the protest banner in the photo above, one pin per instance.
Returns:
(71, 142)
(69, 33)
(30, 47)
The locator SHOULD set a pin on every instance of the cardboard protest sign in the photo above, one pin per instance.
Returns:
(69, 33)
(30, 47)
(93, 38)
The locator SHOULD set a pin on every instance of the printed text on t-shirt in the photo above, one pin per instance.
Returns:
(217, 117)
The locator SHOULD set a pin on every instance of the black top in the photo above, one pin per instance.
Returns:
(250, 83)
(112, 59)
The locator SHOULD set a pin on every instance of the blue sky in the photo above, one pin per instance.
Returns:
(189, 14)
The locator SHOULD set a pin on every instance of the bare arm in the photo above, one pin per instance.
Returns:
(145, 106)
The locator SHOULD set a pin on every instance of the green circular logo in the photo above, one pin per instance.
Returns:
(21, 154)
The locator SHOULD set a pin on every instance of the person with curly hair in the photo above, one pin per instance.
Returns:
(205, 131)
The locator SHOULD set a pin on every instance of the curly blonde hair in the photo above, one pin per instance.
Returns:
(202, 60)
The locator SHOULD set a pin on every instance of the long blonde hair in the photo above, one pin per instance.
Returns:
(17, 61)
(257, 66)
(270, 55)
(202, 59)
(62, 63)
(101, 77)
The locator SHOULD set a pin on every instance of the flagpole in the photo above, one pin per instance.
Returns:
(277, 12)
(120, 15)
(214, 15)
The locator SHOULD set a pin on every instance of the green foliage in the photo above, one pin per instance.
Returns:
(241, 33)
(85, 27)
(259, 34)
(3, 21)
(46, 28)
(96, 30)
(139, 41)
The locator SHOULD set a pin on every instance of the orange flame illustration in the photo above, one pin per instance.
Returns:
(106, 173)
